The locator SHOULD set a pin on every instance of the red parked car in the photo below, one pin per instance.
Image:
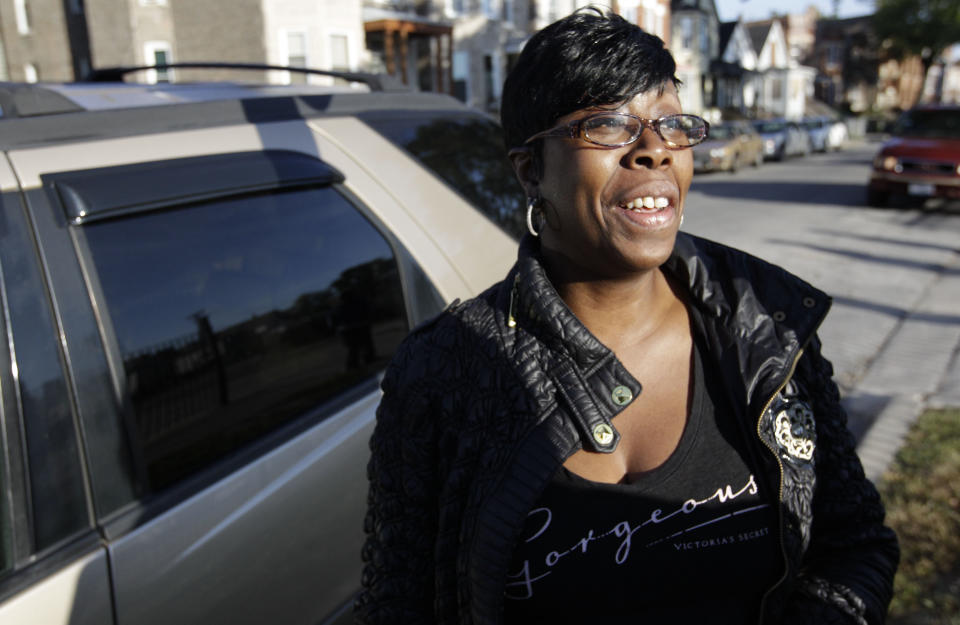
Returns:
(921, 159)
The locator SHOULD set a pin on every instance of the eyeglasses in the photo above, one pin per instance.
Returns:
(614, 130)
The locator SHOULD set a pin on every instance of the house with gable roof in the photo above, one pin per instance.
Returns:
(735, 77)
(784, 84)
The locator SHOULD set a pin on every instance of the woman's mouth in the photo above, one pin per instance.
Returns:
(649, 211)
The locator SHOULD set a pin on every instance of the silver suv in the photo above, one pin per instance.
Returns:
(200, 287)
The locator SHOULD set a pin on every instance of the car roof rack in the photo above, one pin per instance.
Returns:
(376, 82)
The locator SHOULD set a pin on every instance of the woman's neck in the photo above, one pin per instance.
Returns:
(620, 312)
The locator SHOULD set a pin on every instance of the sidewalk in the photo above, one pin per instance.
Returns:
(912, 371)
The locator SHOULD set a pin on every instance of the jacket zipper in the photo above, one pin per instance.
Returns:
(783, 549)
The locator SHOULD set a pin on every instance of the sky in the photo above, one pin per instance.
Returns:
(761, 9)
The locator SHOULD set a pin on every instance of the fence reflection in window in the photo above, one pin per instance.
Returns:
(237, 316)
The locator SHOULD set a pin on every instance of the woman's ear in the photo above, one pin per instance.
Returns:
(525, 167)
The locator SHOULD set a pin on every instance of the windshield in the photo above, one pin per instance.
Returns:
(940, 123)
(770, 126)
(721, 133)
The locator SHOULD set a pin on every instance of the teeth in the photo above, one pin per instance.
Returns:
(647, 202)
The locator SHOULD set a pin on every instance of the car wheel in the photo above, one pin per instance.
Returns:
(734, 164)
(876, 198)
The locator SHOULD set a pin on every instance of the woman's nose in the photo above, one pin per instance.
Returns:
(648, 151)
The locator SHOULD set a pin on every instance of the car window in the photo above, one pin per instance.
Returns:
(770, 126)
(936, 123)
(237, 316)
(467, 152)
(721, 132)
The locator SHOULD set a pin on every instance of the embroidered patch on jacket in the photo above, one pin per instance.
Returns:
(795, 430)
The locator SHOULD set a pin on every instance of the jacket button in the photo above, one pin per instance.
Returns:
(603, 434)
(622, 395)
(779, 315)
(809, 302)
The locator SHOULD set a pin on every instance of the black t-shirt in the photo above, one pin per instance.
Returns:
(693, 541)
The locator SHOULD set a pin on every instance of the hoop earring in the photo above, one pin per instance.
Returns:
(533, 203)
(681, 220)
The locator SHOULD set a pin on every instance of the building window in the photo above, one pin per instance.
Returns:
(461, 75)
(777, 88)
(30, 73)
(22, 13)
(508, 11)
(704, 39)
(158, 53)
(454, 7)
(76, 7)
(833, 54)
(686, 33)
(339, 53)
(629, 12)
(490, 9)
(294, 54)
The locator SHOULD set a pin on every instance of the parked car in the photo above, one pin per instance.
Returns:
(729, 146)
(818, 131)
(200, 286)
(921, 159)
(838, 135)
(782, 138)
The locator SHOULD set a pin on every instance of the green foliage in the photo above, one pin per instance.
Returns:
(922, 494)
(916, 26)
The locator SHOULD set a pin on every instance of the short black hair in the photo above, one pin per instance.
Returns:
(589, 58)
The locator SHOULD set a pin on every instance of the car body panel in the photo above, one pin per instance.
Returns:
(166, 571)
(54, 599)
(427, 201)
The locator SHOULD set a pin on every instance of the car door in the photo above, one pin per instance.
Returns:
(53, 566)
(246, 303)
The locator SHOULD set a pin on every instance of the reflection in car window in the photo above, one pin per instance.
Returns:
(467, 152)
(237, 316)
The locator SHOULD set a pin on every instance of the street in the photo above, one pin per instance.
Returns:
(894, 275)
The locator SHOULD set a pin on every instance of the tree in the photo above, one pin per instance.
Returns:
(917, 27)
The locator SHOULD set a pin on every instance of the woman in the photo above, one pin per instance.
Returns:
(636, 425)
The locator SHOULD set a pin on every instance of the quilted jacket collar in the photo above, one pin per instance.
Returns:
(761, 312)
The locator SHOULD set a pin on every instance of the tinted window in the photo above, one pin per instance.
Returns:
(237, 316)
(467, 152)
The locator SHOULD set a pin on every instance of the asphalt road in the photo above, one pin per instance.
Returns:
(894, 275)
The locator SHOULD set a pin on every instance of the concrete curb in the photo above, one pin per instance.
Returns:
(911, 372)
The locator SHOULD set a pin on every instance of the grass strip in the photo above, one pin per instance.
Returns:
(921, 491)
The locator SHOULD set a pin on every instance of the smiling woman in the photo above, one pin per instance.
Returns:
(633, 413)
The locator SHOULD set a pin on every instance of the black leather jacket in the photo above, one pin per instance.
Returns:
(483, 404)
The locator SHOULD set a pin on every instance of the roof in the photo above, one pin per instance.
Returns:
(56, 117)
(725, 32)
(758, 32)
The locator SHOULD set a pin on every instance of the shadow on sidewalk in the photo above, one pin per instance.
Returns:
(870, 258)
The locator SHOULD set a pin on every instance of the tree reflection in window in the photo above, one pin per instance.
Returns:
(467, 152)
